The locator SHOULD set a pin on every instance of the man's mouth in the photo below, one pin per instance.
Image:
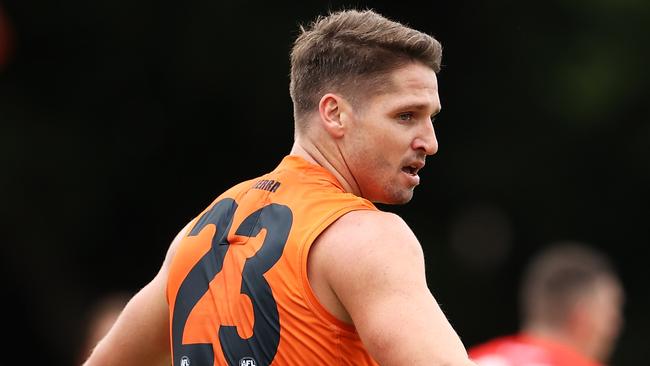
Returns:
(413, 168)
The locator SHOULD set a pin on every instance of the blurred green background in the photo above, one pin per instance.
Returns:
(122, 120)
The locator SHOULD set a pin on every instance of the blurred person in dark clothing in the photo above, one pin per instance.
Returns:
(99, 320)
(571, 302)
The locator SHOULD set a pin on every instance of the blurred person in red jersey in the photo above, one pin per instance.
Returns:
(6, 38)
(571, 302)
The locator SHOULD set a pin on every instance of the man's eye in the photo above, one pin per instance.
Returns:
(405, 116)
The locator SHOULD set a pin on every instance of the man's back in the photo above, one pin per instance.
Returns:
(242, 270)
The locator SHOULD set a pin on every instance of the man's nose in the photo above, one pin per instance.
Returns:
(427, 141)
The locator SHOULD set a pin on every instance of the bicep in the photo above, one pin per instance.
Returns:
(380, 280)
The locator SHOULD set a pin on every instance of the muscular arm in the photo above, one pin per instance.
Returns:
(375, 267)
(140, 335)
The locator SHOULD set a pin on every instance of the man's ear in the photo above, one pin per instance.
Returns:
(579, 318)
(334, 113)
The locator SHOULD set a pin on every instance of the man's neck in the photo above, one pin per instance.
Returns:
(315, 155)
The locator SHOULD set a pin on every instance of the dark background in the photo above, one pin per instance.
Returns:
(122, 120)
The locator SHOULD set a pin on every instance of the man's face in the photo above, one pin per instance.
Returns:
(391, 134)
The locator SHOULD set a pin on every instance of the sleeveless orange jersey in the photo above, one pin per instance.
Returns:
(238, 290)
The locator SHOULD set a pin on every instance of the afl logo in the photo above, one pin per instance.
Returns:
(247, 361)
(185, 361)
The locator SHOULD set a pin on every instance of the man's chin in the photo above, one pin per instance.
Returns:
(397, 198)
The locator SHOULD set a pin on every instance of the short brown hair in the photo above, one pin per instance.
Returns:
(559, 276)
(349, 52)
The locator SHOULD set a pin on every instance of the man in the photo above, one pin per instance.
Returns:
(571, 302)
(298, 267)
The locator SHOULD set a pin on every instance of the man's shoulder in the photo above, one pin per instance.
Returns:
(369, 232)
(370, 224)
